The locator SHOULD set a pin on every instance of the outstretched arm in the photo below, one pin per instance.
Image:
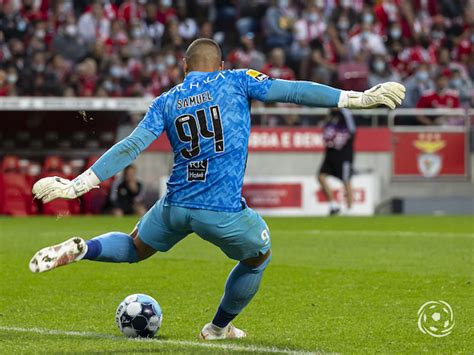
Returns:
(122, 154)
(110, 163)
(307, 93)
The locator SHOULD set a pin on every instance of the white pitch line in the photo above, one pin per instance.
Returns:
(373, 232)
(216, 346)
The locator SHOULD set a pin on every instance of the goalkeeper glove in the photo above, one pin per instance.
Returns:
(390, 94)
(51, 188)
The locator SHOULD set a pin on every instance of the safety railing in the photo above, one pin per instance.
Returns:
(375, 117)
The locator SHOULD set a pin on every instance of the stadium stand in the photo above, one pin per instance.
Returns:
(133, 48)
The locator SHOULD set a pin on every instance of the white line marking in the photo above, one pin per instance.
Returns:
(219, 345)
(373, 232)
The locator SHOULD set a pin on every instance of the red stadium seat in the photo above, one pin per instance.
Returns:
(15, 189)
(54, 166)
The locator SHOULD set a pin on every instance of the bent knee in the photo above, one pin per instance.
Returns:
(143, 250)
(259, 260)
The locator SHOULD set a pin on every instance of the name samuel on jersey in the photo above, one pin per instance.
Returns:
(194, 100)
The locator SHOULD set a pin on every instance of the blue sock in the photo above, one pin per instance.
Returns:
(115, 247)
(242, 284)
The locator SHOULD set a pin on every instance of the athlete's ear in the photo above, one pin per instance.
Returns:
(185, 67)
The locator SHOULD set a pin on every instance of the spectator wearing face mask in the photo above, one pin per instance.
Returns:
(367, 41)
(139, 45)
(394, 33)
(94, 25)
(278, 24)
(68, 43)
(246, 55)
(416, 85)
(343, 18)
(422, 51)
(461, 83)
(12, 24)
(320, 66)
(153, 29)
(381, 72)
(387, 12)
(118, 37)
(276, 67)
(441, 97)
(310, 27)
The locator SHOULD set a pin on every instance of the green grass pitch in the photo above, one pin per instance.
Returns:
(346, 285)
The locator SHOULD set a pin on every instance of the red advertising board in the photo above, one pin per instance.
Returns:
(273, 195)
(300, 139)
(429, 154)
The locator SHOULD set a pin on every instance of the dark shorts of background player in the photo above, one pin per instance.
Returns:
(340, 168)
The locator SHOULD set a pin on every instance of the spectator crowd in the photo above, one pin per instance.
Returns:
(134, 47)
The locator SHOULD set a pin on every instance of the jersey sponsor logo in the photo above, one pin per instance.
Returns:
(197, 170)
(257, 75)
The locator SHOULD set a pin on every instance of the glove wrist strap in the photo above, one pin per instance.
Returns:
(350, 99)
(85, 182)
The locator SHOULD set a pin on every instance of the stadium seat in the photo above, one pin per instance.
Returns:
(15, 189)
(54, 166)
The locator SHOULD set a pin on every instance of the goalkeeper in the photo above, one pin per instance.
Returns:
(207, 120)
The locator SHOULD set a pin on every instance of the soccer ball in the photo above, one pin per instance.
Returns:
(138, 316)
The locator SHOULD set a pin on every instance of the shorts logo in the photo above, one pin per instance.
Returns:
(257, 75)
(197, 170)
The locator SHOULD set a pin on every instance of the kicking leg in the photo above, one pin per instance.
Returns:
(113, 247)
(155, 231)
(242, 284)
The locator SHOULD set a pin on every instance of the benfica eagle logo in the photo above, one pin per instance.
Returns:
(429, 163)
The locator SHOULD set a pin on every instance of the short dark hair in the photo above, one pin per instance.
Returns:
(203, 51)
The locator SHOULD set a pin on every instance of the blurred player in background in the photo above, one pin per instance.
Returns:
(338, 133)
(207, 121)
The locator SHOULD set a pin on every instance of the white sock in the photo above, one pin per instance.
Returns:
(333, 205)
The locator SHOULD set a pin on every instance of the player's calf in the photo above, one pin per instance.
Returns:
(113, 247)
(241, 286)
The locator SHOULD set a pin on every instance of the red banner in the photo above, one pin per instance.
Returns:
(281, 139)
(429, 154)
(275, 195)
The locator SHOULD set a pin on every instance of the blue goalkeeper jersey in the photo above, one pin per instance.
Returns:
(207, 120)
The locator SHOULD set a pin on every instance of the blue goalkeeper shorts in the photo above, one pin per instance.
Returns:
(240, 235)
